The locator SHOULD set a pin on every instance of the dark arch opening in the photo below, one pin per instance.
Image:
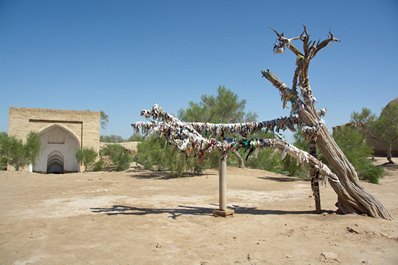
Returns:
(55, 163)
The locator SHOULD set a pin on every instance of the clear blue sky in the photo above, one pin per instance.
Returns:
(123, 56)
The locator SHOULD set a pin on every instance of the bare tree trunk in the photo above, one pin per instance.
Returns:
(314, 173)
(389, 155)
(239, 157)
(352, 197)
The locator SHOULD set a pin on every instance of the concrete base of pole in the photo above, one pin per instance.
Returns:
(223, 213)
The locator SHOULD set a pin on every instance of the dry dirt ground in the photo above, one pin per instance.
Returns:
(139, 218)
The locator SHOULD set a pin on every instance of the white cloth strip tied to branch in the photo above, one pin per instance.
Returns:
(246, 128)
(144, 127)
(184, 139)
(157, 113)
(215, 129)
(243, 129)
(187, 139)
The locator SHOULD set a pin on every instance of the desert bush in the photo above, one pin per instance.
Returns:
(136, 137)
(86, 156)
(32, 147)
(113, 138)
(14, 152)
(98, 166)
(291, 168)
(3, 150)
(17, 154)
(290, 165)
(354, 146)
(385, 128)
(154, 152)
(119, 156)
(266, 159)
(150, 152)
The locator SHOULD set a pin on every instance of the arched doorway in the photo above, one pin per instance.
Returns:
(58, 150)
(55, 163)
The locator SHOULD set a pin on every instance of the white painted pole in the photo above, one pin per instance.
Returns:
(223, 183)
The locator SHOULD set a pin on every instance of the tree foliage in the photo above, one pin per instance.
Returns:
(289, 164)
(32, 147)
(354, 146)
(3, 150)
(154, 153)
(364, 117)
(385, 128)
(266, 159)
(119, 156)
(136, 137)
(111, 138)
(226, 107)
(86, 156)
(104, 119)
(14, 152)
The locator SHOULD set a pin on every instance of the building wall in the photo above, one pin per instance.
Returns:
(82, 126)
(380, 148)
(131, 146)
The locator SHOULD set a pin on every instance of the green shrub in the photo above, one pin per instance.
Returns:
(111, 139)
(354, 146)
(136, 137)
(3, 151)
(289, 164)
(212, 160)
(151, 152)
(291, 168)
(32, 147)
(17, 153)
(119, 155)
(86, 156)
(155, 153)
(267, 159)
(98, 166)
(14, 152)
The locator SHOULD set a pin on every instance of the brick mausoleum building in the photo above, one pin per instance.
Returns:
(62, 133)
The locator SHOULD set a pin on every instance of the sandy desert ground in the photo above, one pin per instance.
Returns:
(143, 218)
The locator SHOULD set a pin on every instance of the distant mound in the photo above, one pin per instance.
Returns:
(393, 102)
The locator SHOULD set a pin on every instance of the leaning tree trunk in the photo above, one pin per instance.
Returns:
(241, 162)
(352, 197)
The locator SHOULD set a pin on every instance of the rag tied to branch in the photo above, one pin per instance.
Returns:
(188, 137)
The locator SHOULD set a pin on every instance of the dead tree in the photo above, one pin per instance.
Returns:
(352, 197)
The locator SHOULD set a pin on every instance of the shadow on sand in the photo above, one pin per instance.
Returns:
(181, 210)
(165, 175)
(281, 179)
